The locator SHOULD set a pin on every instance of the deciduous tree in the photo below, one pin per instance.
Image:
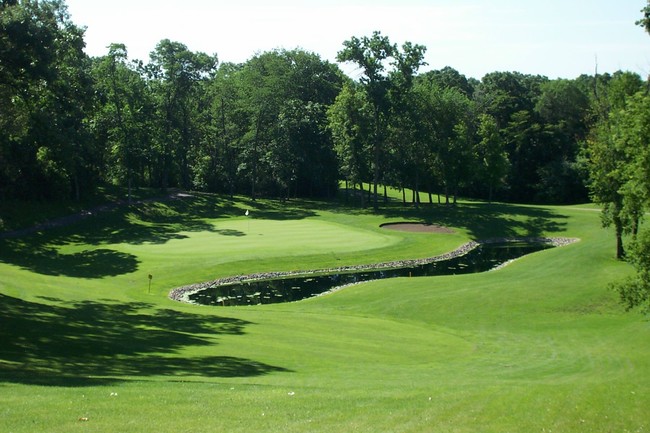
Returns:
(175, 74)
(45, 92)
(492, 158)
(373, 55)
(350, 120)
(124, 116)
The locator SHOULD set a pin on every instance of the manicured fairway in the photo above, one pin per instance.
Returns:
(541, 345)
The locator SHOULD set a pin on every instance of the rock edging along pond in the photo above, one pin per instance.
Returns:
(183, 293)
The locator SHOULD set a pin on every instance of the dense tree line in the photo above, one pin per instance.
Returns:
(284, 123)
(70, 123)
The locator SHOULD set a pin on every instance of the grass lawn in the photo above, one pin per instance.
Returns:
(540, 345)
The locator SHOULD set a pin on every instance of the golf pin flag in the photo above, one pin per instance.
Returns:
(246, 212)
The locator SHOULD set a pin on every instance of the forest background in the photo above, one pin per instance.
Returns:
(286, 123)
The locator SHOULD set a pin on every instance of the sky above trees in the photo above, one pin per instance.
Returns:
(555, 38)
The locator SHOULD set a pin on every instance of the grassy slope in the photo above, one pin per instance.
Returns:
(540, 345)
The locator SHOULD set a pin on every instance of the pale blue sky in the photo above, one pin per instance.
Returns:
(556, 38)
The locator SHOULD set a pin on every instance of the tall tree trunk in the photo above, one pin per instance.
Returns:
(76, 187)
(255, 152)
(129, 175)
(226, 151)
(417, 190)
(375, 180)
(620, 250)
(376, 157)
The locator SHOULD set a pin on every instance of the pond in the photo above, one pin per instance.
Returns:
(484, 257)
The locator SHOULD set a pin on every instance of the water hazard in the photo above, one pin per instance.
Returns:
(289, 289)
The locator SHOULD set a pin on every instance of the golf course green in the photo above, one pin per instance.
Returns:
(91, 342)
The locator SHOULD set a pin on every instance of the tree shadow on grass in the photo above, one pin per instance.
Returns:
(91, 343)
(151, 222)
(484, 220)
(47, 260)
(280, 210)
(230, 232)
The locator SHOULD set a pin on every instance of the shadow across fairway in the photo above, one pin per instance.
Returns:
(150, 222)
(484, 220)
(230, 232)
(281, 210)
(90, 343)
(47, 260)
